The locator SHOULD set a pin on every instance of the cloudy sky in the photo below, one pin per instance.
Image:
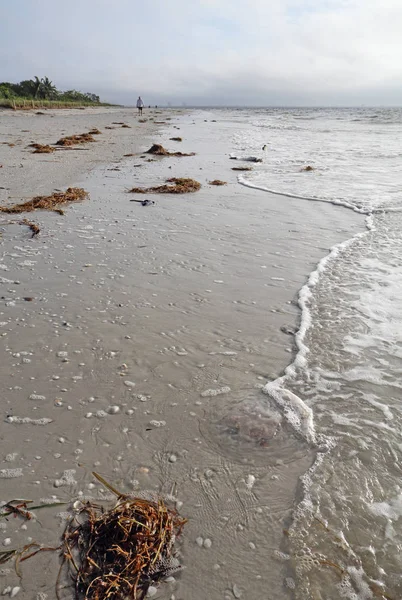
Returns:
(219, 52)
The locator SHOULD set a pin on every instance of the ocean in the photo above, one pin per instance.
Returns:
(342, 392)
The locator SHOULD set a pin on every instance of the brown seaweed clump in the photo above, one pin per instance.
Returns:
(42, 149)
(159, 150)
(73, 140)
(242, 168)
(180, 186)
(94, 131)
(217, 182)
(176, 139)
(126, 126)
(308, 168)
(122, 552)
(112, 554)
(47, 202)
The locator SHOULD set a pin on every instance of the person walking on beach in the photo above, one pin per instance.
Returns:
(140, 105)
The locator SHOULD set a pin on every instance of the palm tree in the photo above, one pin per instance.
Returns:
(37, 84)
(48, 89)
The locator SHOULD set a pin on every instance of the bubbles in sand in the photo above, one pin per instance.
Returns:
(11, 457)
(28, 420)
(37, 397)
(217, 392)
(157, 423)
(10, 473)
(66, 479)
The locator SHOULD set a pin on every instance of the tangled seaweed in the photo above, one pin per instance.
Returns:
(111, 554)
(73, 140)
(159, 150)
(308, 168)
(94, 131)
(176, 139)
(121, 552)
(47, 202)
(242, 168)
(217, 182)
(180, 186)
(42, 149)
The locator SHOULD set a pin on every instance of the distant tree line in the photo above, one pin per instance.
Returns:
(43, 89)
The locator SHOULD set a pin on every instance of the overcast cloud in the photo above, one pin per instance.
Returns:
(230, 52)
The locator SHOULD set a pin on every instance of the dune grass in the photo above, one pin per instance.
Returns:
(27, 104)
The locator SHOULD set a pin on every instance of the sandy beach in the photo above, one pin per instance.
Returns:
(146, 338)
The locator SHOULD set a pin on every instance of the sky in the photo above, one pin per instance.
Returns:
(209, 52)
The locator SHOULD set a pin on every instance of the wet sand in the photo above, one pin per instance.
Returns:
(148, 337)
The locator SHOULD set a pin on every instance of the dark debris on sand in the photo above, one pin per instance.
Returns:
(159, 150)
(47, 202)
(42, 148)
(73, 140)
(180, 186)
(110, 554)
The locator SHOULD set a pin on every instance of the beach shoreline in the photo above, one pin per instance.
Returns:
(193, 300)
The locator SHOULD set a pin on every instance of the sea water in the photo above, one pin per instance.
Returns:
(343, 391)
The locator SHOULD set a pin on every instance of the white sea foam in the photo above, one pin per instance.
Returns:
(355, 163)
(244, 181)
(297, 413)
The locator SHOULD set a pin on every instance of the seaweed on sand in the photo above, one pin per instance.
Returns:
(121, 552)
(47, 202)
(72, 140)
(242, 168)
(32, 226)
(308, 168)
(176, 139)
(159, 150)
(180, 186)
(117, 553)
(42, 148)
(217, 182)
(94, 131)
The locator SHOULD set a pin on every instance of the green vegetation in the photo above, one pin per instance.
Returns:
(42, 93)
